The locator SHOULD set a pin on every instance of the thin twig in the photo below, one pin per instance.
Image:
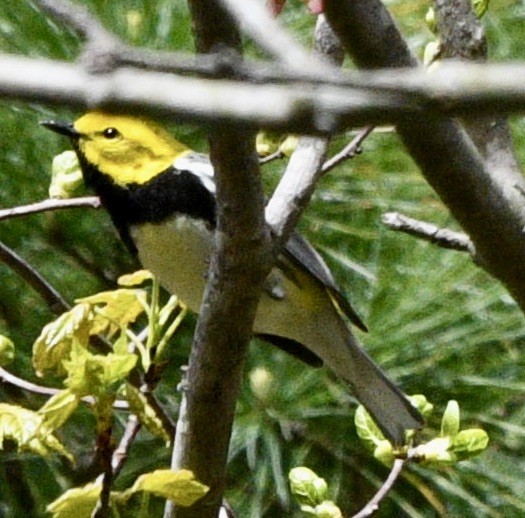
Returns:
(349, 151)
(7, 377)
(120, 454)
(53, 298)
(277, 155)
(51, 204)
(442, 237)
(372, 506)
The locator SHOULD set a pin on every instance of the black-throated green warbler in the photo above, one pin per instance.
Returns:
(161, 198)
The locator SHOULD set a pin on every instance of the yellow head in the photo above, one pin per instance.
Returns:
(128, 149)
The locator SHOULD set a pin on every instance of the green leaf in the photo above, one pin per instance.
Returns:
(28, 430)
(94, 373)
(55, 341)
(78, 502)
(66, 175)
(7, 351)
(178, 486)
(422, 404)
(384, 452)
(135, 278)
(480, 7)
(469, 443)
(450, 421)
(58, 409)
(138, 405)
(328, 509)
(307, 486)
(119, 309)
(367, 430)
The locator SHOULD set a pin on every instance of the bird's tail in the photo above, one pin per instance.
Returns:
(389, 407)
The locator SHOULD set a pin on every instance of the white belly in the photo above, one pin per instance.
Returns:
(177, 252)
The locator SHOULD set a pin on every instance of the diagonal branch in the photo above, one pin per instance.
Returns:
(487, 206)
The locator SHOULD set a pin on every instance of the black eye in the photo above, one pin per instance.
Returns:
(110, 133)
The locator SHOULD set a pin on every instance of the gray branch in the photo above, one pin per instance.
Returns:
(489, 207)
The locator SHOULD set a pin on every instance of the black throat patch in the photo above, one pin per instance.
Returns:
(170, 192)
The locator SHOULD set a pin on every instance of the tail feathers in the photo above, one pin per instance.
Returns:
(389, 407)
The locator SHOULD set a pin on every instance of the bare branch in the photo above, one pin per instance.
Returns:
(53, 298)
(442, 237)
(462, 36)
(372, 506)
(488, 207)
(51, 204)
(240, 263)
(305, 166)
(121, 452)
(349, 151)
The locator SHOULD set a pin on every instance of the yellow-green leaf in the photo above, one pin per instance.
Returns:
(28, 430)
(78, 502)
(328, 509)
(135, 278)
(469, 443)
(66, 175)
(138, 405)
(7, 351)
(94, 373)
(58, 409)
(118, 308)
(56, 339)
(366, 428)
(178, 486)
(307, 486)
(422, 404)
(267, 142)
(450, 420)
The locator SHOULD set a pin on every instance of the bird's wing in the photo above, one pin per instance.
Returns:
(198, 164)
(303, 253)
(297, 248)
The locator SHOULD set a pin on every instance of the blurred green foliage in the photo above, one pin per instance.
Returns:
(439, 325)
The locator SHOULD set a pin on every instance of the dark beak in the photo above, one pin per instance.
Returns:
(63, 128)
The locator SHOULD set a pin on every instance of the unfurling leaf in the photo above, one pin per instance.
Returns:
(469, 443)
(55, 341)
(178, 486)
(135, 278)
(7, 351)
(367, 429)
(450, 420)
(29, 431)
(422, 404)
(94, 373)
(328, 509)
(307, 486)
(66, 175)
(78, 502)
(138, 405)
(119, 308)
(58, 408)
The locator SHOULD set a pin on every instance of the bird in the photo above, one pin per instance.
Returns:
(160, 196)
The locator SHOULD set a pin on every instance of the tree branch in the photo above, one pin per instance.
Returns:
(51, 204)
(462, 36)
(489, 208)
(53, 298)
(239, 265)
(372, 506)
(442, 237)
